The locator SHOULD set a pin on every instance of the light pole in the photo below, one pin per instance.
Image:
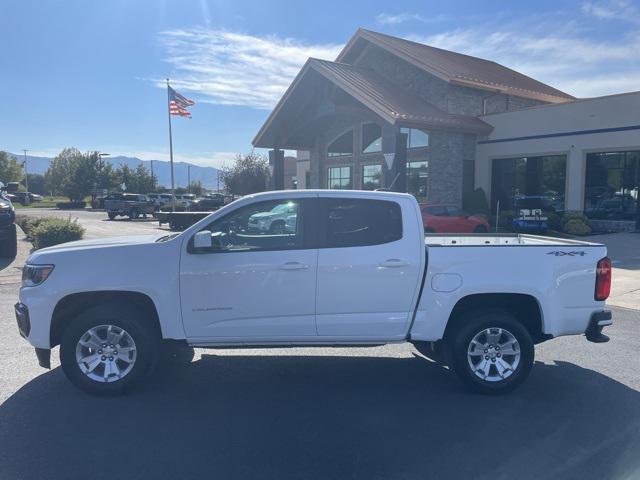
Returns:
(188, 178)
(26, 174)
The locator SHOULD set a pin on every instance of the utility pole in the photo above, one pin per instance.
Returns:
(26, 174)
(153, 178)
(188, 178)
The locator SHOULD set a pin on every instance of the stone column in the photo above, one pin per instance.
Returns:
(574, 185)
(276, 165)
(394, 149)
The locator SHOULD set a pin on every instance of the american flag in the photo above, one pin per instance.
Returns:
(178, 104)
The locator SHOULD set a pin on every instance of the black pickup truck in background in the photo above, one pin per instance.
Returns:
(8, 238)
(130, 205)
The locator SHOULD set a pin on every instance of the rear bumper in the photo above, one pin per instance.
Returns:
(598, 321)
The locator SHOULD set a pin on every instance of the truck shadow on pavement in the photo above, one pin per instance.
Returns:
(323, 417)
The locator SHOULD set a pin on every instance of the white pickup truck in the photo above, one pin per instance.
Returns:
(357, 269)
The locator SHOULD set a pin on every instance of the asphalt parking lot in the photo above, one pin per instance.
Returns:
(384, 412)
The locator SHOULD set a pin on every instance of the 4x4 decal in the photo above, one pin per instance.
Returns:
(570, 254)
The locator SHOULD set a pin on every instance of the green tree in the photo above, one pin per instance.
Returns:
(248, 174)
(136, 180)
(10, 168)
(36, 184)
(73, 174)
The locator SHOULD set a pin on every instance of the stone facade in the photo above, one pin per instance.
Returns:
(447, 150)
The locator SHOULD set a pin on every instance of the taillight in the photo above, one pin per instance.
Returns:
(603, 279)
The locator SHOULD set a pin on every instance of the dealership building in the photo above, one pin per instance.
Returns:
(391, 113)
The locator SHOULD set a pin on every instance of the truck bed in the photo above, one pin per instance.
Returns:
(503, 239)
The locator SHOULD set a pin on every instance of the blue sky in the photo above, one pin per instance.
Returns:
(89, 73)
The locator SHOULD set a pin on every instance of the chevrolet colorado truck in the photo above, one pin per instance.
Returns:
(357, 269)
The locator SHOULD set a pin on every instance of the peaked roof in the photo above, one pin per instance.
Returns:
(391, 103)
(455, 67)
(378, 94)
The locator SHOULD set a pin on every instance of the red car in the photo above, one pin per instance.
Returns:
(450, 219)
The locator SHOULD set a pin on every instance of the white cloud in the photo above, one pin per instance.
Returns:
(559, 57)
(232, 68)
(398, 18)
(613, 10)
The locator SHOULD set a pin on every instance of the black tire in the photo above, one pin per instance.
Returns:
(9, 247)
(429, 230)
(111, 215)
(136, 325)
(472, 324)
(133, 214)
(480, 229)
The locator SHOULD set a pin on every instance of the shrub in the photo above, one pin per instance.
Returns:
(27, 224)
(70, 205)
(53, 231)
(569, 216)
(576, 226)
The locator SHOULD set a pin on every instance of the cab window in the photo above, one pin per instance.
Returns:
(269, 225)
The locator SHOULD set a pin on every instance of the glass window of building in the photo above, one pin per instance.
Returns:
(418, 179)
(371, 138)
(529, 176)
(371, 177)
(341, 146)
(416, 138)
(611, 185)
(339, 177)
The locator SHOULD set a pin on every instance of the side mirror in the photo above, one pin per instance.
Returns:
(202, 239)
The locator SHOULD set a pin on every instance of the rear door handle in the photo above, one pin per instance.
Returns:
(394, 263)
(293, 266)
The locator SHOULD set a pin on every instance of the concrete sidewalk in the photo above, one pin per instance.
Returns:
(624, 251)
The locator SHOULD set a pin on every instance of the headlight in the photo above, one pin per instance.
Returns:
(5, 206)
(33, 275)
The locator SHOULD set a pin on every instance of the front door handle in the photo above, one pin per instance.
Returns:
(394, 263)
(293, 266)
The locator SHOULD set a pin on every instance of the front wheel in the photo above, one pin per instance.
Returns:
(111, 215)
(492, 352)
(105, 351)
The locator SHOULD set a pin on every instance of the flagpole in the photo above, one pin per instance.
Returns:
(173, 193)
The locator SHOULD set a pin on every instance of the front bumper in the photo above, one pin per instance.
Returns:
(598, 321)
(24, 327)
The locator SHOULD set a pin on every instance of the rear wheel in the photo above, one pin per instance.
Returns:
(491, 351)
(107, 351)
(111, 215)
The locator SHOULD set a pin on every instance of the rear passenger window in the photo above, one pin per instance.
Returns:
(359, 222)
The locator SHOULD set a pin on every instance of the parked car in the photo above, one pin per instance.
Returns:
(281, 218)
(352, 271)
(208, 203)
(130, 205)
(8, 236)
(445, 218)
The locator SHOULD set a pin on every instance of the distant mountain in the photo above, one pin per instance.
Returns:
(208, 176)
